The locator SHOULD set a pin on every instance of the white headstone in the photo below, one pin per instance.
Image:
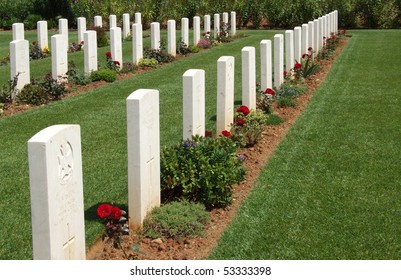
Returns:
(248, 77)
(138, 18)
(336, 21)
(196, 30)
(18, 31)
(81, 28)
(56, 188)
(225, 17)
(233, 30)
(98, 22)
(155, 35)
(225, 93)
(311, 35)
(266, 69)
(43, 39)
(90, 51)
(207, 23)
(216, 25)
(63, 31)
(59, 57)
(116, 45)
(19, 63)
(112, 21)
(320, 30)
(316, 30)
(185, 31)
(171, 35)
(305, 39)
(143, 143)
(298, 43)
(278, 60)
(126, 25)
(325, 30)
(289, 50)
(137, 43)
(193, 103)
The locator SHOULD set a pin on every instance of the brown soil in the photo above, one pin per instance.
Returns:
(199, 248)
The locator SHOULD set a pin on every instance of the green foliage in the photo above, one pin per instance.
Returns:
(107, 75)
(247, 129)
(183, 49)
(32, 94)
(194, 49)
(41, 91)
(7, 91)
(160, 54)
(286, 101)
(201, 169)
(75, 76)
(102, 37)
(178, 219)
(30, 21)
(291, 90)
(5, 60)
(128, 67)
(273, 119)
(148, 62)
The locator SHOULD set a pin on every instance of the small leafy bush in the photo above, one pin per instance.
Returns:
(178, 219)
(286, 101)
(102, 38)
(201, 169)
(183, 49)
(128, 67)
(33, 94)
(160, 55)
(107, 75)
(194, 49)
(265, 100)
(52, 87)
(75, 76)
(35, 52)
(148, 62)
(248, 126)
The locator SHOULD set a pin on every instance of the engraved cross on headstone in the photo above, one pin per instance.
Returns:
(68, 246)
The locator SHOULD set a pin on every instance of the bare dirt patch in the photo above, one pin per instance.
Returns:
(199, 248)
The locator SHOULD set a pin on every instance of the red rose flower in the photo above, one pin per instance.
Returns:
(208, 133)
(310, 49)
(108, 54)
(285, 73)
(240, 122)
(208, 32)
(104, 210)
(226, 133)
(116, 62)
(270, 91)
(244, 110)
(298, 66)
(116, 213)
(34, 43)
(305, 55)
(203, 34)
(82, 42)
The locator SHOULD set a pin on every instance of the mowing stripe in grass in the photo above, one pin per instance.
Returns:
(101, 114)
(332, 190)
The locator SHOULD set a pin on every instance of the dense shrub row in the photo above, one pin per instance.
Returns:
(268, 13)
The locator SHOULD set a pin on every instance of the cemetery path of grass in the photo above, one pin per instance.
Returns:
(101, 114)
(333, 188)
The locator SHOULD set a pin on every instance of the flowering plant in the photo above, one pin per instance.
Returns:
(265, 100)
(206, 42)
(112, 64)
(115, 223)
(248, 126)
(35, 52)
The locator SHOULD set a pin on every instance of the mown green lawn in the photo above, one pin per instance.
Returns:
(101, 114)
(333, 188)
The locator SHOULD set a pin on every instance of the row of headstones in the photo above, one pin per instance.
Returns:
(55, 163)
(19, 47)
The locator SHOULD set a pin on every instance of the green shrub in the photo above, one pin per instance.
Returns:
(128, 67)
(201, 169)
(102, 38)
(176, 220)
(33, 94)
(54, 89)
(248, 126)
(194, 49)
(160, 54)
(107, 75)
(273, 119)
(147, 62)
(75, 76)
(286, 101)
(31, 21)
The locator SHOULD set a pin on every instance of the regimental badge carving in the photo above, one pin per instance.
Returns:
(65, 162)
